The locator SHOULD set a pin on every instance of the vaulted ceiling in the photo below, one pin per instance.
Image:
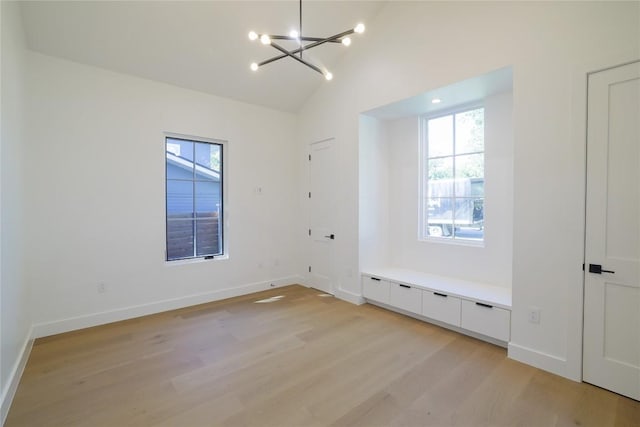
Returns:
(200, 45)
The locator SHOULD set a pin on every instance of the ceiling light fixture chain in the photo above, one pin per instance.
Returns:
(268, 39)
(300, 29)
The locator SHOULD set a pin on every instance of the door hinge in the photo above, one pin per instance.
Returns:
(309, 269)
(309, 232)
(309, 194)
(583, 266)
(309, 157)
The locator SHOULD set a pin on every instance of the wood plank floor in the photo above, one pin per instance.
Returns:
(294, 357)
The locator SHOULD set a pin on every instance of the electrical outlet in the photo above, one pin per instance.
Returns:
(534, 315)
(101, 288)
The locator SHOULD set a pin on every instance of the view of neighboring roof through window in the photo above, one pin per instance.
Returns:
(194, 198)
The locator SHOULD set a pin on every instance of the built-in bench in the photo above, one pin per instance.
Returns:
(476, 309)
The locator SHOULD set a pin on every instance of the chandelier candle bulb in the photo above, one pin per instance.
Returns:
(253, 35)
(359, 28)
(265, 39)
(346, 41)
(254, 66)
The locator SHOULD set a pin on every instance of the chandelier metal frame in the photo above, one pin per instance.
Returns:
(296, 54)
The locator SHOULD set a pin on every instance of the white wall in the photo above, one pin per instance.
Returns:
(374, 226)
(95, 195)
(413, 47)
(489, 264)
(15, 312)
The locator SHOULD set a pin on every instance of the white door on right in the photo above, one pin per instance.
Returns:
(611, 357)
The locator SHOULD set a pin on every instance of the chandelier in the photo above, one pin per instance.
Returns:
(297, 36)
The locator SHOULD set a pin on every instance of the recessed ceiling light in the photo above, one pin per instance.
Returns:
(436, 101)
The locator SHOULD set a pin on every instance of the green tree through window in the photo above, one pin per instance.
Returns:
(453, 178)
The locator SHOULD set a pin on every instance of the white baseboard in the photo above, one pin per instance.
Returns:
(340, 293)
(349, 296)
(95, 319)
(547, 362)
(14, 377)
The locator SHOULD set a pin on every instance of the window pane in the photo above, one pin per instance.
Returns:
(439, 217)
(207, 197)
(464, 212)
(178, 168)
(440, 136)
(469, 217)
(179, 238)
(470, 131)
(180, 148)
(453, 194)
(193, 198)
(477, 187)
(470, 166)
(469, 187)
(208, 161)
(179, 199)
(208, 240)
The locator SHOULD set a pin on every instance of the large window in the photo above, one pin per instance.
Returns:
(452, 188)
(194, 198)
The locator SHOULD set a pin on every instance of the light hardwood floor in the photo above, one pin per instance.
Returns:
(294, 357)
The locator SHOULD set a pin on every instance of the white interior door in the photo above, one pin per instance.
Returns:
(322, 205)
(611, 357)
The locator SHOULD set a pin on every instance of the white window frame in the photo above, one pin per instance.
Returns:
(424, 173)
(225, 205)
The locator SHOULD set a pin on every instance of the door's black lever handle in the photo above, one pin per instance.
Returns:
(597, 269)
(331, 236)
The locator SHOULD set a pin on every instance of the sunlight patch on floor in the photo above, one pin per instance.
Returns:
(267, 300)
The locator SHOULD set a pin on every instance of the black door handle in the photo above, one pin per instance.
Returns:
(331, 236)
(597, 269)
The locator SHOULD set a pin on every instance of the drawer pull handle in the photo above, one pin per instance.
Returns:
(484, 305)
(375, 278)
(440, 295)
(405, 286)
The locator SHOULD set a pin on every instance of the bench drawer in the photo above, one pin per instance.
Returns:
(405, 297)
(442, 307)
(375, 289)
(485, 319)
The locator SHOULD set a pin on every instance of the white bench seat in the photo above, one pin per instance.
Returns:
(478, 309)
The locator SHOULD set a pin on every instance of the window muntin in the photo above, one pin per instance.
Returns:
(194, 198)
(452, 196)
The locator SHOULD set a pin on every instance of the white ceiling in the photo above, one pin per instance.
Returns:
(201, 45)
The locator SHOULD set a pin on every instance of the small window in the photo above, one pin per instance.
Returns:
(452, 188)
(194, 198)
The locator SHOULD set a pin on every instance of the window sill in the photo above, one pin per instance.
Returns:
(196, 260)
(454, 242)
